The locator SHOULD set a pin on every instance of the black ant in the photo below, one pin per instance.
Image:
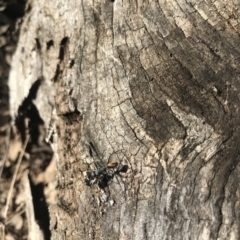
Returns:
(103, 175)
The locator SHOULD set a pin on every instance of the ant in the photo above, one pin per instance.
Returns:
(103, 175)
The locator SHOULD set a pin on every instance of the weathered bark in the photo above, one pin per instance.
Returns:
(154, 85)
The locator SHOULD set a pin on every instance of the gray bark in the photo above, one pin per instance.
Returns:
(150, 84)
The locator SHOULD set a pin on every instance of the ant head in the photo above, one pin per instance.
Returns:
(123, 169)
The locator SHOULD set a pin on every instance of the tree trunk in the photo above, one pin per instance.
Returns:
(151, 85)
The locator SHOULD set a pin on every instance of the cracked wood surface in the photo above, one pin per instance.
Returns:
(151, 84)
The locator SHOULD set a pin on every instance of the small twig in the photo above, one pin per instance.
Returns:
(15, 176)
(18, 213)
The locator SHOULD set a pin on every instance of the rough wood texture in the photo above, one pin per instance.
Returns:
(151, 84)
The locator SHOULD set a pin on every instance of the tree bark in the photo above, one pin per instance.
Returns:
(149, 84)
